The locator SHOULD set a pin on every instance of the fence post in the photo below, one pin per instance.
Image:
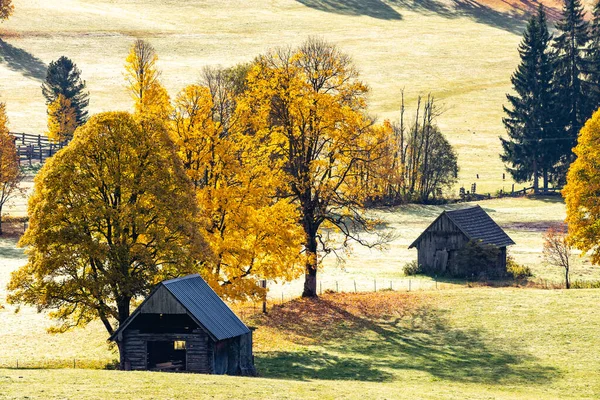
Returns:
(409, 282)
(391, 286)
(435, 282)
(375, 284)
(337, 289)
(355, 286)
(74, 364)
(320, 288)
(40, 140)
(41, 154)
(17, 363)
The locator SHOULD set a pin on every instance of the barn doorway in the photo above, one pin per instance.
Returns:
(166, 355)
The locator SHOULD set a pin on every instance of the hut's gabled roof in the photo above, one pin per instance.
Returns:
(202, 304)
(475, 224)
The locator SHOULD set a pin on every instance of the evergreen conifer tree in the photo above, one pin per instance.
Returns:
(593, 58)
(63, 77)
(571, 64)
(528, 152)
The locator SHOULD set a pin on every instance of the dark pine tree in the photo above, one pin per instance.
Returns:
(593, 58)
(528, 152)
(571, 64)
(63, 77)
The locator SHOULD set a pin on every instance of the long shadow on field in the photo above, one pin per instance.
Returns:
(371, 8)
(21, 61)
(512, 20)
(358, 347)
(8, 249)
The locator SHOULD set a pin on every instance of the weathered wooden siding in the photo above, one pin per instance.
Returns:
(199, 357)
(443, 235)
(162, 302)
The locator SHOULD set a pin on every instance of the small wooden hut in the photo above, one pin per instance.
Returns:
(450, 232)
(183, 325)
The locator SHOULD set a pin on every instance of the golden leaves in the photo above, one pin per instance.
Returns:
(62, 120)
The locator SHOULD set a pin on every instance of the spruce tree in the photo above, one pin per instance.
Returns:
(593, 58)
(63, 77)
(569, 78)
(529, 122)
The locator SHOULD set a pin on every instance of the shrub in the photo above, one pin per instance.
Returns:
(412, 268)
(517, 271)
(585, 285)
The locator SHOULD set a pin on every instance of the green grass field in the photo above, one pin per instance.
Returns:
(451, 344)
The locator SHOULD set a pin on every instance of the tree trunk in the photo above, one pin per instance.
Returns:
(123, 309)
(545, 180)
(536, 177)
(567, 283)
(0, 220)
(310, 275)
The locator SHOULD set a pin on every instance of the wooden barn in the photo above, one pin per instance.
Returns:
(183, 325)
(450, 232)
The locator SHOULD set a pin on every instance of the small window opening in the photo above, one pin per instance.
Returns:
(179, 345)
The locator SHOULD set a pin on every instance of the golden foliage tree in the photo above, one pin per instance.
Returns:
(62, 119)
(151, 98)
(10, 173)
(111, 215)
(6, 9)
(310, 102)
(581, 191)
(251, 231)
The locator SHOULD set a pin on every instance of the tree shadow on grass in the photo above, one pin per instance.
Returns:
(9, 249)
(21, 61)
(371, 8)
(513, 20)
(358, 347)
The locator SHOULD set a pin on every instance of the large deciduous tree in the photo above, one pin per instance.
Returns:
(150, 97)
(111, 215)
(10, 173)
(64, 78)
(252, 232)
(582, 189)
(530, 149)
(311, 102)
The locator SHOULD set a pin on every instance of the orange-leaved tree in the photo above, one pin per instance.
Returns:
(310, 102)
(252, 231)
(10, 173)
(582, 191)
(111, 215)
(151, 98)
(62, 119)
(6, 9)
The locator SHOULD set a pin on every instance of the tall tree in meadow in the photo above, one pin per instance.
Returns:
(529, 151)
(62, 119)
(311, 102)
(6, 9)
(10, 173)
(581, 191)
(252, 231)
(151, 98)
(111, 215)
(64, 78)
(570, 67)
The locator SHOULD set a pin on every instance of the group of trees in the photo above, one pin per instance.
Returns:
(67, 100)
(557, 89)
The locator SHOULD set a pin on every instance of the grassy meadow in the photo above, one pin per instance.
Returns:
(463, 52)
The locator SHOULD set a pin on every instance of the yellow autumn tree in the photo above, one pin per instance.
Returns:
(311, 103)
(111, 215)
(581, 191)
(252, 232)
(6, 9)
(10, 173)
(151, 98)
(62, 119)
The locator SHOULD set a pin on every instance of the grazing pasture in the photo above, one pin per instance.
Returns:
(461, 51)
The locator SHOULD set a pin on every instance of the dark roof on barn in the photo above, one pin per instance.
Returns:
(202, 304)
(475, 224)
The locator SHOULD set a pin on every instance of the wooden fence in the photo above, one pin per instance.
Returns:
(35, 148)
(472, 196)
